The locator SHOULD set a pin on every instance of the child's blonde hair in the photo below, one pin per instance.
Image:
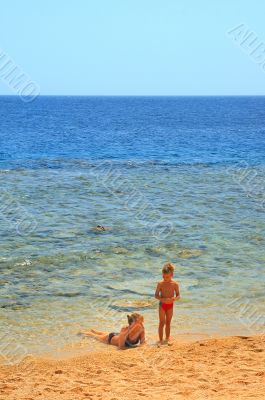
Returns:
(168, 268)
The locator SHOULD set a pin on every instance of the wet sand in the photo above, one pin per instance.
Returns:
(221, 368)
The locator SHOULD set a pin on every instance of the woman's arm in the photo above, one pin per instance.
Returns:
(142, 338)
(122, 337)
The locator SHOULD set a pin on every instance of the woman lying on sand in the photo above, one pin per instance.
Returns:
(129, 336)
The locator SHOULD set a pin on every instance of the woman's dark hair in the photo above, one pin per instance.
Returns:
(135, 317)
(130, 319)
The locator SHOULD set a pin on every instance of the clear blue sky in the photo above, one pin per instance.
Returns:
(133, 47)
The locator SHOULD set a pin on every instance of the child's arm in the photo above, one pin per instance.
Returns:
(157, 293)
(177, 293)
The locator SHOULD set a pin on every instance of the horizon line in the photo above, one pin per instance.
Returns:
(136, 95)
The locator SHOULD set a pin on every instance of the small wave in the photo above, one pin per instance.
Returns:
(154, 251)
(190, 253)
(24, 263)
(135, 305)
(127, 291)
(15, 305)
(136, 272)
(62, 294)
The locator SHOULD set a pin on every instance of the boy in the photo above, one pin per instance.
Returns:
(167, 292)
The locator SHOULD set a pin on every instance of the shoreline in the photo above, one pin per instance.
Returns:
(228, 367)
(87, 345)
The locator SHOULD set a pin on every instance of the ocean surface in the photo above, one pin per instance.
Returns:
(171, 178)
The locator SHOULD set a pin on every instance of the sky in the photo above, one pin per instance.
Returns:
(133, 47)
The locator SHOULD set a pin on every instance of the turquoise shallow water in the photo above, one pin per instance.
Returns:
(172, 179)
(65, 275)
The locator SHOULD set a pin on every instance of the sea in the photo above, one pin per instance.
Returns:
(97, 193)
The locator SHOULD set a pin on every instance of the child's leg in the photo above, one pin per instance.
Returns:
(162, 315)
(169, 315)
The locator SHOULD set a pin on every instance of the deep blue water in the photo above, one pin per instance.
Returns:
(168, 129)
(173, 178)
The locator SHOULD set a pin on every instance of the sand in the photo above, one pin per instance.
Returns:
(223, 368)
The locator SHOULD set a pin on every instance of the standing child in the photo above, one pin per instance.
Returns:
(167, 292)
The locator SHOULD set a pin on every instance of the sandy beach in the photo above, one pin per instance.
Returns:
(223, 368)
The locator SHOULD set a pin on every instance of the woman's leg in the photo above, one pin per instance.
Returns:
(93, 331)
(89, 333)
(98, 332)
(102, 337)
